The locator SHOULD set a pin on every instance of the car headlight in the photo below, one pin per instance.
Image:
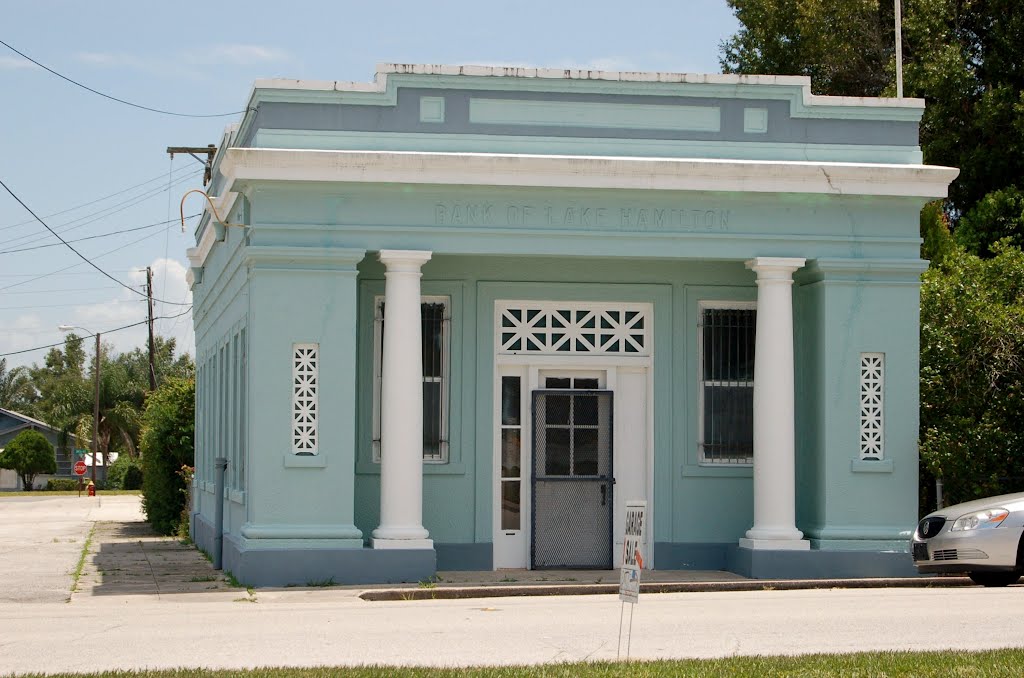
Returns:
(979, 520)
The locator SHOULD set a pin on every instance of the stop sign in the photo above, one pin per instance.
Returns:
(79, 468)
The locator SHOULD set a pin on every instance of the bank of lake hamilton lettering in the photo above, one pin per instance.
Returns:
(582, 216)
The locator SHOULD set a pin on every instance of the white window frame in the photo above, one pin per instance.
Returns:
(445, 378)
(702, 306)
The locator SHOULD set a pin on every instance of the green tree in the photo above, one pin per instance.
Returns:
(167, 444)
(29, 454)
(16, 391)
(844, 45)
(961, 56)
(972, 373)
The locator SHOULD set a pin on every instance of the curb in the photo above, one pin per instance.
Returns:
(469, 592)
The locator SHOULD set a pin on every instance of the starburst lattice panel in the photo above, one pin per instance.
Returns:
(305, 375)
(872, 384)
(578, 328)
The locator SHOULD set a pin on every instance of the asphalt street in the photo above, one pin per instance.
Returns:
(184, 617)
(41, 539)
(327, 627)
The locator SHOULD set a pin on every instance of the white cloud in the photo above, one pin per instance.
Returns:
(239, 55)
(9, 63)
(110, 59)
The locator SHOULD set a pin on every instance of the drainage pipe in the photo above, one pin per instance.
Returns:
(221, 465)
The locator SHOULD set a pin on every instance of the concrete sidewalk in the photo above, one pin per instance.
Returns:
(127, 559)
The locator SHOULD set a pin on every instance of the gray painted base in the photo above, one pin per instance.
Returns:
(760, 564)
(312, 566)
(466, 557)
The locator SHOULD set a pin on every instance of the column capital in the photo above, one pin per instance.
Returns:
(408, 261)
(775, 268)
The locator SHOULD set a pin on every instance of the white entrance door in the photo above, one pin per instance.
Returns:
(543, 345)
(627, 389)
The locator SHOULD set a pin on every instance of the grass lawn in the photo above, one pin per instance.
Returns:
(64, 493)
(864, 665)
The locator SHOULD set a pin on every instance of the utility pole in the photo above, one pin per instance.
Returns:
(152, 348)
(96, 414)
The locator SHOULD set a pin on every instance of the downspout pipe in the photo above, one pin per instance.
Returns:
(221, 465)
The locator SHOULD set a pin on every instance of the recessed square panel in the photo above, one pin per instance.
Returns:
(755, 120)
(431, 109)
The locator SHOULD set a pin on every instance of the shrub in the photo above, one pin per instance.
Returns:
(61, 484)
(29, 454)
(168, 427)
(125, 474)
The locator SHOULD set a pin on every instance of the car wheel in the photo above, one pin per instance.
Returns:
(994, 578)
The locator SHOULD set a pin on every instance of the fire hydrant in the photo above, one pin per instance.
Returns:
(92, 489)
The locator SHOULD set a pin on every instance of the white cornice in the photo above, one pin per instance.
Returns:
(245, 165)
(384, 70)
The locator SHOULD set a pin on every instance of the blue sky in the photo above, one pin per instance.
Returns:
(62, 147)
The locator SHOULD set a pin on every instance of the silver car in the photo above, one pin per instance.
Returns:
(981, 538)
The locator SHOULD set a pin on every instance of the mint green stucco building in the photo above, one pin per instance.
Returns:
(455, 318)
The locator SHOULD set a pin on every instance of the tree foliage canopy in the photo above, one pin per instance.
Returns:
(29, 454)
(65, 388)
(15, 387)
(962, 56)
(167, 444)
(972, 373)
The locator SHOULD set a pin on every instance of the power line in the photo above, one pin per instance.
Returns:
(89, 336)
(85, 220)
(91, 202)
(69, 289)
(60, 271)
(82, 256)
(103, 235)
(120, 101)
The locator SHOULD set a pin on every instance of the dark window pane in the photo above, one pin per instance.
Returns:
(557, 382)
(510, 453)
(728, 422)
(432, 323)
(431, 419)
(728, 336)
(556, 409)
(585, 410)
(556, 452)
(510, 505)
(584, 452)
(586, 383)
(510, 401)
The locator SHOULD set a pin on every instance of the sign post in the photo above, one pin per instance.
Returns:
(632, 564)
(79, 471)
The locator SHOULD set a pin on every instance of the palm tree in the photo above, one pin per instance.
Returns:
(16, 390)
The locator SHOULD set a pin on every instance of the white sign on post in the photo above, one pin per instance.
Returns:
(632, 552)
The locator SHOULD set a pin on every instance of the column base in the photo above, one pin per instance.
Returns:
(402, 543)
(775, 544)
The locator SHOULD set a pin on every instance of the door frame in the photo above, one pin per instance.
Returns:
(511, 548)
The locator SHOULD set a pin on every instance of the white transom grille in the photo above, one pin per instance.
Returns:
(872, 383)
(558, 328)
(305, 374)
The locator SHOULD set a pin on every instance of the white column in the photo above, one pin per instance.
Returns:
(774, 456)
(401, 406)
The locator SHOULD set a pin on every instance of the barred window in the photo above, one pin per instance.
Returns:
(435, 317)
(726, 362)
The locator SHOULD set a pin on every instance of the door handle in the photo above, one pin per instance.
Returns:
(604, 495)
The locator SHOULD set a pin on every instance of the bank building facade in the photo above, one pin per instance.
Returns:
(455, 318)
